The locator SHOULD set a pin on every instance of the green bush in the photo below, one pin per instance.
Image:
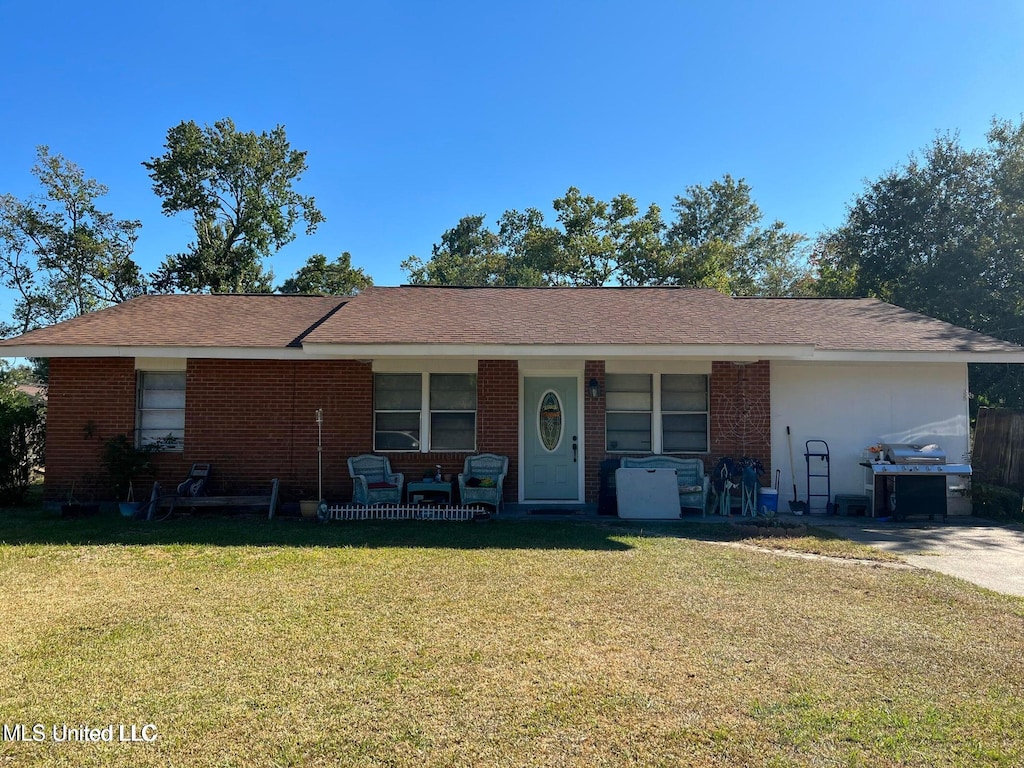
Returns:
(22, 434)
(996, 502)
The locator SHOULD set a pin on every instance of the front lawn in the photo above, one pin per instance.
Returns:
(534, 643)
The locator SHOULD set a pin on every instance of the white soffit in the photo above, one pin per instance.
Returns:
(160, 363)
(640, 365)
(424, 365)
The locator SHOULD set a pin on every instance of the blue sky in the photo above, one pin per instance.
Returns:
(416, 114)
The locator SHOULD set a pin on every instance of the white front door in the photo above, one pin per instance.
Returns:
(551, 438)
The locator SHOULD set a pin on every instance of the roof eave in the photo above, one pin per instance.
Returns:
(918, 356)
(111, 350)
(584, 351)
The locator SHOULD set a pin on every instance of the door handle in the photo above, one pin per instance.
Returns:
(575, 449)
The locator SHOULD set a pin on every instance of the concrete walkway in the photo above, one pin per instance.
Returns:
(975, 550)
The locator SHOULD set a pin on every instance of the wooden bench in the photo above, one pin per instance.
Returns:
(170, 501)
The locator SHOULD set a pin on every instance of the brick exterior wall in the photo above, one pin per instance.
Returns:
(90, 400)
(740, 402)
(497, 427)
(741, 413)
(254, 420)
(593, 429)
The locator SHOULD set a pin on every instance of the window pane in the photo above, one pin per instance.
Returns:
(156, 420)
(396, 432)
(163, 398)
(684, 432)
(452, 431)
(169, 440)
(628, 392)
(628, 382)
(453, 392)
(175, 381)
(628, 401)
(684, 392)
(397, 391)
(629, 432)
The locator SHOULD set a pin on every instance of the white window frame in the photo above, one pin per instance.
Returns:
(706, 413)
(650, 413)
(657, 414)
(160, 445)
(418, 412)
(425, 412)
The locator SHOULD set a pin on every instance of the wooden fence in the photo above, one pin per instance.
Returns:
(998, 455)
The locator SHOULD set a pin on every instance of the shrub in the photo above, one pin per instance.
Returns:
(22, 435)
(996, 502)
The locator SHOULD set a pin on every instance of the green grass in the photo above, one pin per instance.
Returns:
(248, 642)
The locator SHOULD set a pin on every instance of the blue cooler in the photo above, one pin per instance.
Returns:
(768, 501)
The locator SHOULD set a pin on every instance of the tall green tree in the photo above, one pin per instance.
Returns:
(716, 240)
(336, 278)
(943, 234)
(240, 190)
(720, 242)
(469, 254)
(59, 253)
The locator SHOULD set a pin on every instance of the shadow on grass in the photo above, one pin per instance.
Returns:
(21, 526)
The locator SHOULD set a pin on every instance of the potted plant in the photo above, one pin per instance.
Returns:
(307, 506)
(124, 462)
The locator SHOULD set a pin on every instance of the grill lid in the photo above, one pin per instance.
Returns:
(910, 453)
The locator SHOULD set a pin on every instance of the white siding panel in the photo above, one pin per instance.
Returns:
(853, 405)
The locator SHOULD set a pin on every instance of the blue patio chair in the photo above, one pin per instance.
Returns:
(481, 480)
(373, 482)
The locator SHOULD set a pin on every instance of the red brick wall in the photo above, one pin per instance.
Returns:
(254, 420)
(497, 427)
(90, 400)
(741, 413)
(740, 399)
(593, 414)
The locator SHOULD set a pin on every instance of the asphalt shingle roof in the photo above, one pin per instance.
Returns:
(222, 320)
(512, 316)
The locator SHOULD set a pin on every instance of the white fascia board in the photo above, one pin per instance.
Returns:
(747, 352)
(233, 353)
(866, 356)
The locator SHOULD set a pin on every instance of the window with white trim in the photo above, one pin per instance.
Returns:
(684, 413)
(629, 402)
(424, 412)
(397, 402)
(656, 413)
(160, 410)
(452, 411)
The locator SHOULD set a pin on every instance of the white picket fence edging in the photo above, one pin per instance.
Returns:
(402, 512)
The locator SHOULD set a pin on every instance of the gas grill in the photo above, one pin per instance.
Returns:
(908, 459)
(912, 480)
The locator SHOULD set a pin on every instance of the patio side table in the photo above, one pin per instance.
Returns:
(422, 489)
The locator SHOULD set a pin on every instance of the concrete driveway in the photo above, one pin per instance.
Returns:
(978, 551)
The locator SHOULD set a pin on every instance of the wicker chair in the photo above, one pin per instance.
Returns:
(481, 480)
(373, 482)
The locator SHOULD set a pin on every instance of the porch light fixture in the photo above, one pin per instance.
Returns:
(594, 387)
